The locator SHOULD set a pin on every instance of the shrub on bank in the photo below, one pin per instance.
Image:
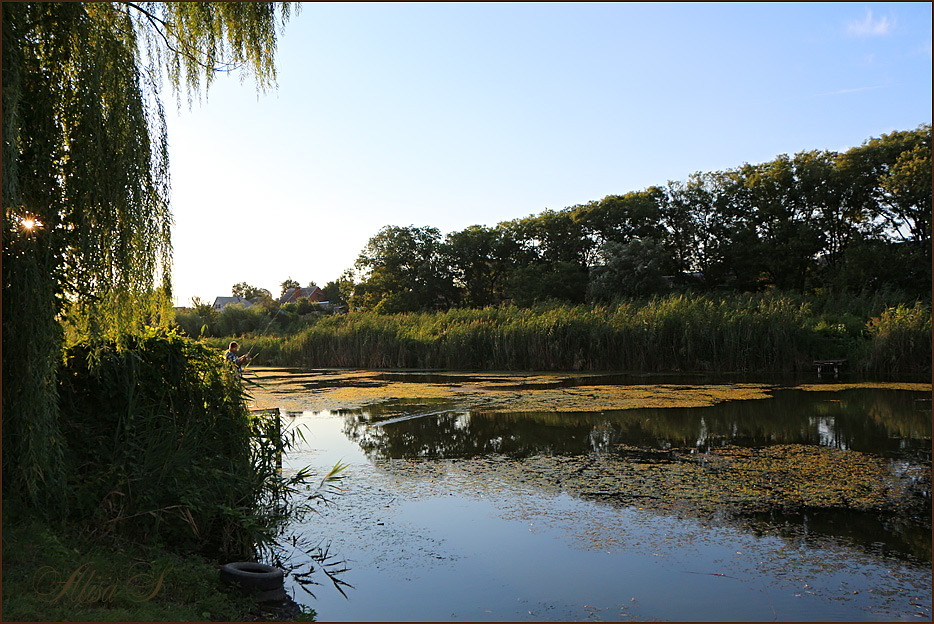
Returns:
(233, 320)
(236, 320)
(160, 448)
(190, 322)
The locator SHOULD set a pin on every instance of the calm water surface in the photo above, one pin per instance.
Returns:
(451, 514)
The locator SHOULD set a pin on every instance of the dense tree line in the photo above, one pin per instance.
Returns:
(819, 220)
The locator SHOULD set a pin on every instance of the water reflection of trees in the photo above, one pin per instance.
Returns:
(882, 533)
(625, 456)
(893, 424)
(630, 457)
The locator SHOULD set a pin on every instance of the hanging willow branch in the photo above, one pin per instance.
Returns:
(86, 219)
(161, 27)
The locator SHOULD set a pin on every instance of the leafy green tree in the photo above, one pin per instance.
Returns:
(907, 187)
(891, 179)
(246, 291)
(870, 264)
(288, 283)
(479, 259)
(86, 220)
(549, 237)
(548, 259)
(561, 237)
(710, 229)
(783, 209)
(677, 215)
(825, 190)
(337, 291)
(526, 246)
(885, 185)
(205, 309)
(621, 218)
(403, 269)
(559, 281)
(631, 269)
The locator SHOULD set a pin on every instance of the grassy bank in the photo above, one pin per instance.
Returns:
(51, 573)
(766, 332)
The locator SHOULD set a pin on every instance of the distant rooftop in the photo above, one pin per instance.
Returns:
(222, 302)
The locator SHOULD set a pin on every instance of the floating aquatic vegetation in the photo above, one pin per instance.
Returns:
(466, 432)
(330, 390)
(606, 398)
(776, 490)
(880, 385)
(739, 480)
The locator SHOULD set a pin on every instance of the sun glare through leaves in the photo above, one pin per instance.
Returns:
(29, 224)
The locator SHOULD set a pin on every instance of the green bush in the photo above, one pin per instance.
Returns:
(233, 320)
(236, 320)
(192, 323)
(162, 449)
(305, 306)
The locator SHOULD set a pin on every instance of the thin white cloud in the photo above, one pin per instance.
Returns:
(869, 27)
(855, 90)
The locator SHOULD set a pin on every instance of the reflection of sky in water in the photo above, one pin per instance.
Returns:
(436, 544)
(826, 433)
(702, 435)
(601, 438)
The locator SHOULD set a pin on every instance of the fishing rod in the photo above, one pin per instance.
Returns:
(268, 325)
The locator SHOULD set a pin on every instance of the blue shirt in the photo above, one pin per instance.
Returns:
(231, 357)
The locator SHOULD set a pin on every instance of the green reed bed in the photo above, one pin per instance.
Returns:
(900, 337)
(761, 332)
(162, 450)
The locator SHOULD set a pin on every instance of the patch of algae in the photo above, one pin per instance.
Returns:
(875, 385)
(785, 477)
(608, 398)
(797, 476)
(329, 390)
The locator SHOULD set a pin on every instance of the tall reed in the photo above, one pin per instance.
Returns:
(752, 332)
(900, 340)
(160, 448)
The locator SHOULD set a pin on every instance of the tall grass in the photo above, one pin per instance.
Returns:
(756, 332)
(901, 340)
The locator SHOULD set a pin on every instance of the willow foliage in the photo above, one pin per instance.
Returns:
(86, 220)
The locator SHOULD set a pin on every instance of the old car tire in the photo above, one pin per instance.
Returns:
(251, 575)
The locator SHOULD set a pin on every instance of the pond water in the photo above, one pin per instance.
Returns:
(811, 502)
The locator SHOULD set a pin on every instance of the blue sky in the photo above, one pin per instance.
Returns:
(451, 115)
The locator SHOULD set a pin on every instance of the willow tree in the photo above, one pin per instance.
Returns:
(86, 219)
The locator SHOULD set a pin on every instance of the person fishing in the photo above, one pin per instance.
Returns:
(231, 355)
